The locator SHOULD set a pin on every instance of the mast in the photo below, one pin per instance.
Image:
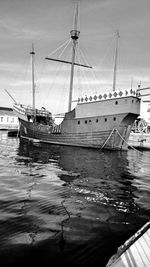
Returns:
(32, 53)
(74, 35)
(115, 63)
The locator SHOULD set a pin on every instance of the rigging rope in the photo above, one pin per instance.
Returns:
(62, 45)
(64, 48)
(115, 129)
(83, 73)
(83, 56)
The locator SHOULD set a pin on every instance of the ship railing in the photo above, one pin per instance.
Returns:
(32, 112)
(110, 95)
(19, 108)
(38, 112)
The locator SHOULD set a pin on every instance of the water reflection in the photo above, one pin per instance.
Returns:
(102, 177)
(69, 204)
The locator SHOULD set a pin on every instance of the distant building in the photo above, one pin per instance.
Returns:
(8, 119)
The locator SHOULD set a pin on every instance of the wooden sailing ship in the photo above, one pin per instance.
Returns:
(98, 121)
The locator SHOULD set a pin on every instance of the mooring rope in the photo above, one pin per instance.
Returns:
(130, 145)
(115, 129)
(108, 138)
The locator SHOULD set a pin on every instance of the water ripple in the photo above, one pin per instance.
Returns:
(69, 204)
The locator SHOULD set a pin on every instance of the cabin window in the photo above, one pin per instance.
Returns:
(132, 101)
(116, 103)
(2, 119)
(96, 120)
(90, 121)
(78, 122)
(105, 119)
(114, 118)
(86, 122)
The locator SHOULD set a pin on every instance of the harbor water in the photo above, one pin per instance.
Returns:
(65, 205)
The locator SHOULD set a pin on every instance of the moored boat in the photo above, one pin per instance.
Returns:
(98, 121)
(135, 251)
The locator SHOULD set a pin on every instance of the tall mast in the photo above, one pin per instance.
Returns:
(32, 53)
(115, 63)
(74, 35)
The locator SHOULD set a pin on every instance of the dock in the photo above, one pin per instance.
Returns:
(139, 140)
(135, 252)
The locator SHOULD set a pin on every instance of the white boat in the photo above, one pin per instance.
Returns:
(135, 252)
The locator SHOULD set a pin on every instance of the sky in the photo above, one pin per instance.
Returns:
(47, 25)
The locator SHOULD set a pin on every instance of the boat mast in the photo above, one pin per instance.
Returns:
(74, 35)
(116, 59)
(32, 53)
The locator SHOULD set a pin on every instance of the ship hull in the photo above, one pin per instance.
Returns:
(114, 138)
(102, 124)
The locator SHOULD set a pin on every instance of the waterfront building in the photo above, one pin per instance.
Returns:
(8, 120)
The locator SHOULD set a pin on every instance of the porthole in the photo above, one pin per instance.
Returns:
(78, 122)
(114, 118)
(96, 120)
(86, 122)
(105, 119)
(116, 103)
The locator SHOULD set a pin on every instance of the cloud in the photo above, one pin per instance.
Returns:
(9, 67)
(15, 29)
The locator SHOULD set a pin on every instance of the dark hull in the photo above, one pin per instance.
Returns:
(114, 139)
(104, 124)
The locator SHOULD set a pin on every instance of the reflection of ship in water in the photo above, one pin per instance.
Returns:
(86, 202)
(108, 172)
(77, 160)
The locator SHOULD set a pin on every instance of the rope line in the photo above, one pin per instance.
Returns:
(64, 48)
(130, 145)
(115, 129)
(62, 45)
(108, 138)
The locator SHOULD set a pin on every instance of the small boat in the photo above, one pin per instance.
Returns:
(135, 251)
(102, 121)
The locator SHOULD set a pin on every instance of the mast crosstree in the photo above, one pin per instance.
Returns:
(74, 36)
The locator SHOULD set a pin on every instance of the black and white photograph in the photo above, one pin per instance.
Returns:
(75, 133)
